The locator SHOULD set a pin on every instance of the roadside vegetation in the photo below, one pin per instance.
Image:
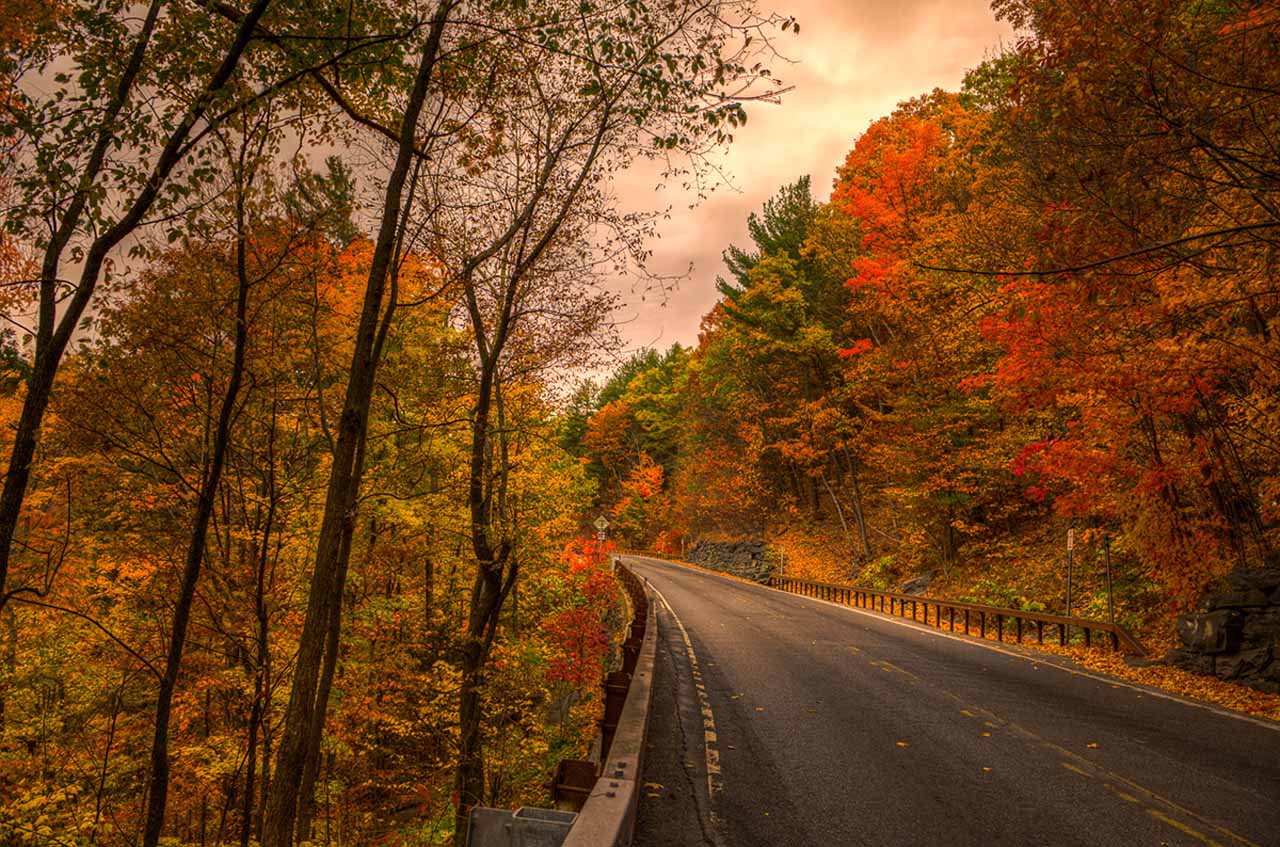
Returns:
(1042, 304)
(290, 293)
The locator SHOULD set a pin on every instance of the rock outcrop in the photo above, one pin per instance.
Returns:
(740, 558)
(1236, 634)
(919, 584)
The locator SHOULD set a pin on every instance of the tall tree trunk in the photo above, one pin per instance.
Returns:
(158, 791)
(859, 516)
(844, 527)
(305, 710)
(489, 589)
(487, 596)
(258, 708)
(496, 568)
(311, 769)
(428, 584)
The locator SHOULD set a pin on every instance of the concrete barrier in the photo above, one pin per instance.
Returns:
(608, 818)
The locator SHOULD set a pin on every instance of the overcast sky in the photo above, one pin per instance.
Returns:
(855, 61)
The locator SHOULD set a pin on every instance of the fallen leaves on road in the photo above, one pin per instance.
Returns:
(903, 744)
(1176, 681)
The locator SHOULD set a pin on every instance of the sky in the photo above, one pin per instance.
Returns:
(854, 61)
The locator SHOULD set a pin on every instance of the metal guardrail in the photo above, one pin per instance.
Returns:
(596, 802)
(608, 817)
(894, 603)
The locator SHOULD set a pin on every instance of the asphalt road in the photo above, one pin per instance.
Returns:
(782, 720)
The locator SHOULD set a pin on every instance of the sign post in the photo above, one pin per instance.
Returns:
(601, 524)
(1071, 546)
(1106, 550)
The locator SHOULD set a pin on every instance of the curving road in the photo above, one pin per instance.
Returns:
(782, 720)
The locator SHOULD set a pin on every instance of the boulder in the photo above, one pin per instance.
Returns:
(741, 558)
(1265, 580)
(1262, 627)
(1246, 599)
(1246, 663)
(919, 584)
(1211, 632)
(1189, 661)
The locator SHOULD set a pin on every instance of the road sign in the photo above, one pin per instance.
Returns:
(1071, 539)
(601, 523)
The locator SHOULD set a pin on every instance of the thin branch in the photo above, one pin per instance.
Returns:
(16, 596)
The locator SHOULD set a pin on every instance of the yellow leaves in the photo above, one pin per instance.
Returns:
(902, 744)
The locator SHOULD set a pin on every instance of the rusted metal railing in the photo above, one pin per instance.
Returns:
(972, 616)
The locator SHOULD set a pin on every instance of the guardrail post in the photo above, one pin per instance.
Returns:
(892, 604)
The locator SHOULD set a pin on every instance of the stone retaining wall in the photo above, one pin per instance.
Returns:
(740, 558)
(1236, 634)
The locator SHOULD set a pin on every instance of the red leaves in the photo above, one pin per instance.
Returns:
(579, 641)
(576, 636)
(862, 345)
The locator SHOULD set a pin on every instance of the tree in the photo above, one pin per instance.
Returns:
(515, 201)
(72, 197)
(317, 649)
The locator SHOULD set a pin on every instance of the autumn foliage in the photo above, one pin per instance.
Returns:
(1044, 302)
(103, 534)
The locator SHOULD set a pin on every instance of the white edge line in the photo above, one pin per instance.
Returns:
(704, 702)
(973, 642)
